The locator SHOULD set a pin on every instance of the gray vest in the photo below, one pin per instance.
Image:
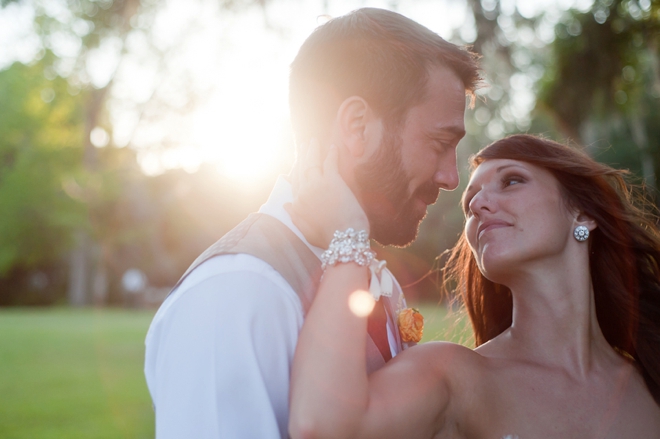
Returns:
(271, 241)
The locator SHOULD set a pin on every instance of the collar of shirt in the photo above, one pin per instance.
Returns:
(282, 194)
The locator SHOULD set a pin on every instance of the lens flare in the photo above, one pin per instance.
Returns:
(361, 303)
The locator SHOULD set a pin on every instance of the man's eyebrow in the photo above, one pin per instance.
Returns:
(456, 131)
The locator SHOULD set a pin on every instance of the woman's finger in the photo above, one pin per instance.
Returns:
(292, 210)
(294, 176)
(311, 173)
(330, 165)
(309, 168)
(314, 156)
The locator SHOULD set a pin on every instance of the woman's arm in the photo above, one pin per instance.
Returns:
(331, 395)
(327, 393)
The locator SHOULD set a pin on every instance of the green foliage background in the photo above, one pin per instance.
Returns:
(62, 200)
(40, 153)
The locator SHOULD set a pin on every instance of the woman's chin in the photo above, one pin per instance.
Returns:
(496, 268)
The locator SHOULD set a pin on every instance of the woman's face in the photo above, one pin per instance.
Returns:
(516, 218)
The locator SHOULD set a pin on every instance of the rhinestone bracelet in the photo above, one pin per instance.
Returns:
(348, 246)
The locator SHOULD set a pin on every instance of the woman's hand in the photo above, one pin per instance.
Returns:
(323, 202)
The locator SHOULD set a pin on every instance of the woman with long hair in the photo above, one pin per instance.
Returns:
(558, 269)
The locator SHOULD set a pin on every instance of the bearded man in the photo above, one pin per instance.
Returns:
(390, 95)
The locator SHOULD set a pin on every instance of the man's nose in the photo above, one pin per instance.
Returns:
(446, 176)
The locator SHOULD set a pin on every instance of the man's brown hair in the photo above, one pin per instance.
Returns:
(376, 54)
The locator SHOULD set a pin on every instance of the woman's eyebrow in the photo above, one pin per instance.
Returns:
(471, 187)
(503, 167)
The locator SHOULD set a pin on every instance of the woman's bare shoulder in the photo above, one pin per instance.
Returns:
(446, 350)
(446, 376)
(451, 361)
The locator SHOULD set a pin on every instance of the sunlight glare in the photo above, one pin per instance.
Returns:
(361, 303)
(241, 125)
(241, 138)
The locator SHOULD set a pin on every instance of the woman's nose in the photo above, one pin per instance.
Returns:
(481, 202)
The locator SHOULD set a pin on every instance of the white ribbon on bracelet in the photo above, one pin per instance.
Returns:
(381, 283)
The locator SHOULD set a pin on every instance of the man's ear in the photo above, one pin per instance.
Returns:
(355, 118)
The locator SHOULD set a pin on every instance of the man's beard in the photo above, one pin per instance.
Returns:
(383, 192)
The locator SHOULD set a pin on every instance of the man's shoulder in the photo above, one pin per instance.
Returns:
(241, 239)
(229, 285)
(231, 270)
(260, 246)
(263, 237)
(240, 250)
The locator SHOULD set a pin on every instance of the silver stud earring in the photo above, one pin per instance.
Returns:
(581, 233)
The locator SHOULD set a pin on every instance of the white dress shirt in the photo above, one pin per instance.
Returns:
(219, 349)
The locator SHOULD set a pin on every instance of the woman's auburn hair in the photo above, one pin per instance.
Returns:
(624, 260)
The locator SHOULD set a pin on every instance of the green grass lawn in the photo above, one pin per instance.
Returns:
(73, 374)
(69, 374)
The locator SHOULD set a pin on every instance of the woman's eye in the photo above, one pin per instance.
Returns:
(510, 181)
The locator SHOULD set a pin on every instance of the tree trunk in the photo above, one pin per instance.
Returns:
(78, 269)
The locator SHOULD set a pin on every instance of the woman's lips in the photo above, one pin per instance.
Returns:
(490, 225)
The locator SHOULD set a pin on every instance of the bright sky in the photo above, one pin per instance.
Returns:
(234, 64)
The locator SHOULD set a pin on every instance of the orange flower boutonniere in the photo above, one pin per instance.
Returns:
(411, 325)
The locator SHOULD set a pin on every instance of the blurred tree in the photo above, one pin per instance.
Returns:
(121, 219)
(160, 224)
(602, 85)
(156, 224)
(78, 33)
(40, 173)
(85, 46)
(513, 59)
